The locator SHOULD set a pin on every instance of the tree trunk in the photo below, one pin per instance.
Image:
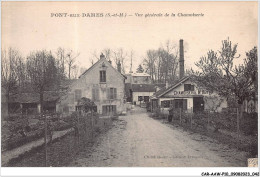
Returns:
(41, 102)
(241, 110)
(7, 101)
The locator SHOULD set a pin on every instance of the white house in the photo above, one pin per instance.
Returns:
(187, 96)
(101, 83)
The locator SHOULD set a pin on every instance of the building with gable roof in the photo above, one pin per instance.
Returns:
(185, 94)
(101, 83)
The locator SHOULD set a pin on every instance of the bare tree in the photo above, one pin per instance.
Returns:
(43, 73)
(162, 63)
(75, 71)
(149, 63)
(131, 60)
(108, 53)
(61, 59)
(9, 73)
(71, 59)
(120, 56)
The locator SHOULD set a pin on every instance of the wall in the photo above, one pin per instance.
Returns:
(138, 79)
(91, 80)
(178, 93)
(136, 94)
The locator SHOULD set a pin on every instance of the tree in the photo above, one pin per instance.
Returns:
(71, 59)
(9, 71)
(162, 63)
(217, 72)
(149, 63)
(140, 69)
(119, 57)
(43, 73)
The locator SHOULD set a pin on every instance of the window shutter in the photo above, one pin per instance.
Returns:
(97, 94)
(111, 94)
(115, 93)
(108, 95)
(93, 94)
(100, 76)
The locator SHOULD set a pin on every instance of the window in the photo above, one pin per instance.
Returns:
(109, 109)
(77, 94)
(102, 76)
(95, 94)
(71, 98)
(188, 87)
(140, 98)
(111, 93)
(180, 103)
(165, 104)
(146, 99)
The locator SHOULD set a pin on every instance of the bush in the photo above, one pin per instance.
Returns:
(249, 124)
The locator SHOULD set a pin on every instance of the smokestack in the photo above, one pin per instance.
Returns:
(181, 62)
(102, 56)
(119, 67)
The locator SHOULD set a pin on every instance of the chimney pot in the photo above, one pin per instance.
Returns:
(102, 56)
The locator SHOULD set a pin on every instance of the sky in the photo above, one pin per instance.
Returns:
(28, 26)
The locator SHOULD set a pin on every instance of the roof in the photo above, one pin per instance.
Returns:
(33, 97)
(99, 61)
(165, 90)
(143, 88)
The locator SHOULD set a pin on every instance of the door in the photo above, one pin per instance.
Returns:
(198, 104)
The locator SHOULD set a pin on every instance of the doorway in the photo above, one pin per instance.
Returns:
(198, 104)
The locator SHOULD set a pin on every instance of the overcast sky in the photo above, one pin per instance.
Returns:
(28, 26)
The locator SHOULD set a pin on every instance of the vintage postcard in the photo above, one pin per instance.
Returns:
(130, 84)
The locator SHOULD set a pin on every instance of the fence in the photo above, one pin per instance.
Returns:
(226, 120)
(86, 127)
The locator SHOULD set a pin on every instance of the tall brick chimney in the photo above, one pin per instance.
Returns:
(181, 61)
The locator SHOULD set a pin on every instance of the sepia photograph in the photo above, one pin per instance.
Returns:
(130, 84)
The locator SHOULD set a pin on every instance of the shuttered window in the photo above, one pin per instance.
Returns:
(77, 94)
(95, 94)
(111, 93)
(102, 76)
(188, 87)
(71, 98)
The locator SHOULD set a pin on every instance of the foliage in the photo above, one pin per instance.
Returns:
(140, 69)
(212, 102)
(218, 72)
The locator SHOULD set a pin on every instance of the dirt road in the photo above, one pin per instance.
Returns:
(137, 140)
